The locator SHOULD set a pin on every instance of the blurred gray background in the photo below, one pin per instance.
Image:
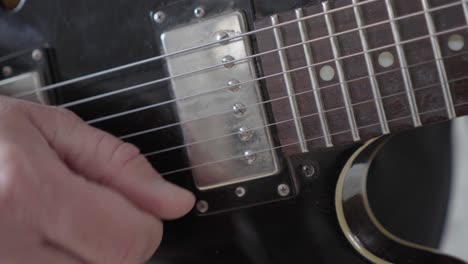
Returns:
(455, 239)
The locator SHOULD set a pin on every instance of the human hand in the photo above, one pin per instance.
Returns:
(70, 193)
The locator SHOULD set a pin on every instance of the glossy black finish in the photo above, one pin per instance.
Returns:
(88, 36)
(301, 230)
(365, 230)
(419, 184)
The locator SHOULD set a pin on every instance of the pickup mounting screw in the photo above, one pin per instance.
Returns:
(240, 191)
(7, 71)
(220, 36)
(159, 17)
(308, 171)
(250, 157)
(228, 61)
(37, 55)
(199, 12)
(245, 134)
(283, 190)
(202, 206)
(233, 85)
(239, 110)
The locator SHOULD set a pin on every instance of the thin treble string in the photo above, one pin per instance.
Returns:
(191, 49)
(298, 142)
(280, 98)
(146, 131)
(151, 106)
(213, 67)
(138, 86)
(298, 118)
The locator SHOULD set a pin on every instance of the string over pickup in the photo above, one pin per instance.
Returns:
(22, 75)
(218, 103)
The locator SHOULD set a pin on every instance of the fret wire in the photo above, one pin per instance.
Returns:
(292, 70)
(370, 68)
(91, 98)
(439, 63)
(404, 65)
(313, 78)
(288, 83)
(465, 10)
(187, 50)
(341, 75)
(295, 143)
(314, 114)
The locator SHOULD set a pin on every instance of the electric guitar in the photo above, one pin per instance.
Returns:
(271, 112)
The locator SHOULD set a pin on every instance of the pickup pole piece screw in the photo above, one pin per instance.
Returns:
(245, 134)
(308, 171)
(37, 55)
(283, 190)
(240, 191)
(228, 61)
(159, 17)
(234, 85)
(220, 36)
(199, 12)
(202, 206)
(7, 71)
(239, 109)
(250, 157)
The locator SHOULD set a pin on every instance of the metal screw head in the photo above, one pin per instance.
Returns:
(159, 17)
(234, 85)
(283, 190)
(245, 134)
(239, 110)
(240, 191)
(37, 55)
(250, 157)
(7, 71)
(202, 206)
(228, 61)
(308, 170)
(199, 12)
(219, 36)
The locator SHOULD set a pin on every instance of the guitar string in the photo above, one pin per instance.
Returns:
(298, 142)
(93, 121)
(293, 119)
(311, 66)
(191, 49)
(243, 83)
(395, 45)
(245, 59)
(300, 117)
(310, 90)
(147, 107)
(138, 86)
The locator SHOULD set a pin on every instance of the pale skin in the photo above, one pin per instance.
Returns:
(70, 193)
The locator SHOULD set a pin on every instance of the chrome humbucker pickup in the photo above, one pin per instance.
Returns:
(220, 109)
(25, 83)
(23, 74)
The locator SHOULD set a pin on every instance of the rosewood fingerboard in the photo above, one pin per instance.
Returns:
(363, 98)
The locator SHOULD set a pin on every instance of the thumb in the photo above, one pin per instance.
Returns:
(105, 159)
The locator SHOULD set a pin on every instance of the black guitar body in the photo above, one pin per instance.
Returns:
(83, 37)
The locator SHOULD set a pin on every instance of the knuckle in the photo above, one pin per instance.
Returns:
(12, 159)
(8, 105)
(144, 244)
(68, 114)
(12, 172)
(125, 153)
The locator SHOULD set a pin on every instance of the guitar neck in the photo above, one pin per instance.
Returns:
(350, 70)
